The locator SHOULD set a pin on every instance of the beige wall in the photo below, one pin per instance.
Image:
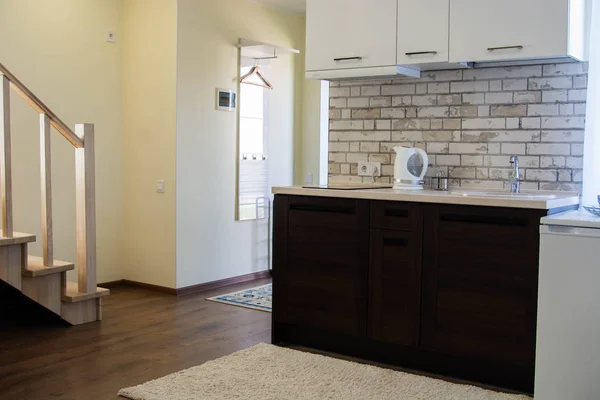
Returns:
(149, 84)
(211, 245)
(58, 49)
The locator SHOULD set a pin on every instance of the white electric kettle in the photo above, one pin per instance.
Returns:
(410, 168)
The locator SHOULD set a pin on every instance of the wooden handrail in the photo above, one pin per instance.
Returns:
(41, 108)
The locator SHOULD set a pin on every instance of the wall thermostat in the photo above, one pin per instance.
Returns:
(226, 100)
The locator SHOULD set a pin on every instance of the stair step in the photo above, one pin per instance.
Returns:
(73, 295)
(35, 267)
(18, 238)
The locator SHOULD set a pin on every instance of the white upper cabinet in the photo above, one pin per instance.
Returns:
(497, 30)
(350, 34)
(423, 31)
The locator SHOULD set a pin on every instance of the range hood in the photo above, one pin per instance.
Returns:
(392, 71)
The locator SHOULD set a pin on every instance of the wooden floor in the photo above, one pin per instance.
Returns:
(144, 335)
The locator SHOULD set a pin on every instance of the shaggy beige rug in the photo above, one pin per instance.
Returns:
(267, 372)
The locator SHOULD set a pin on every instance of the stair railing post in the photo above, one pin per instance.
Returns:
(46, 180)
(86, 208)
(5, 159)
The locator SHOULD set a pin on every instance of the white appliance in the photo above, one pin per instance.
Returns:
(568, 332)
(410, 168)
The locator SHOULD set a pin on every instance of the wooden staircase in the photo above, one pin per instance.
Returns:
(44, 279)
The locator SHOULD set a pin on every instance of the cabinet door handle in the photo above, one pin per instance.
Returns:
(347, 58)
(395, 242)
(519, 47)
(323, 208)
(418, 53)
(485, 219)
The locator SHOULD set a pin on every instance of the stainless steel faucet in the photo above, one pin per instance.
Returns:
(514, 178)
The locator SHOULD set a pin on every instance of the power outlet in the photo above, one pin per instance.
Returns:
(369, 169)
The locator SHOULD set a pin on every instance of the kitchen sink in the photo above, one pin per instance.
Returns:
(503, 195)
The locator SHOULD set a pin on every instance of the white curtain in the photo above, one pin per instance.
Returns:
(591, 153)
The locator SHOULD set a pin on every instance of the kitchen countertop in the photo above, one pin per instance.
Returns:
(563, 199)
(579, 218)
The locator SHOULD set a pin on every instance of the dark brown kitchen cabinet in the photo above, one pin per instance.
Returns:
(479, 293)
(395, 286)
(445, 289)
(321, 261)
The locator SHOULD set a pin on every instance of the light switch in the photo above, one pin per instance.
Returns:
(160, 186)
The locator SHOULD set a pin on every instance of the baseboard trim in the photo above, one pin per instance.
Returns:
(203, 287)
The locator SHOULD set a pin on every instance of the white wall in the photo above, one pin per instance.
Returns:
(210, 244)
(149, 85)
(58, 49)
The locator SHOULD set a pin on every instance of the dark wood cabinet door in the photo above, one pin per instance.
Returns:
(395, 286)
(320, 270)
(480, 269)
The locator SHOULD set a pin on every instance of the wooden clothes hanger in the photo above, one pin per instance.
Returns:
(256, 71)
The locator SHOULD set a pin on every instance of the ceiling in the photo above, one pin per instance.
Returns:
(298, 6)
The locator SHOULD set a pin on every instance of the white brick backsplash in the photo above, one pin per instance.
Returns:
(437, 124)
(398, 89)
(512, 123)
(559, 149)
(541, 175)
(577, 95)
(563, 69)
(426, 100)
(358, 102)
(499, 98)
(364, 136)
(380, 102)
(407, 136)
(552, 162)
(503, 161)
(514, 84)
(516, 110)
(563, 123)
(469, 121)
(563, 136)
(564, 82)
(566, 109)
(531, 123)
(555, 96)
(438, 148)
(448, 99)
(504, 72)
(513, 148)
(411, 124)
(468, 148)
(542, 109)
(447, 160)
(384, 124)
(468, 87)
(393, 113)
(369, 147)
(357, 157)
(483, 123)
(501, 136)
(473, 98)
(401, 101)
(580, 82)
(427, 112)
(471, 161)
(370, 91)
(495, 86)
(438, 87)
(339, 92)
(345, 125)
(574, 162)
(527, 97)
(338, 146)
